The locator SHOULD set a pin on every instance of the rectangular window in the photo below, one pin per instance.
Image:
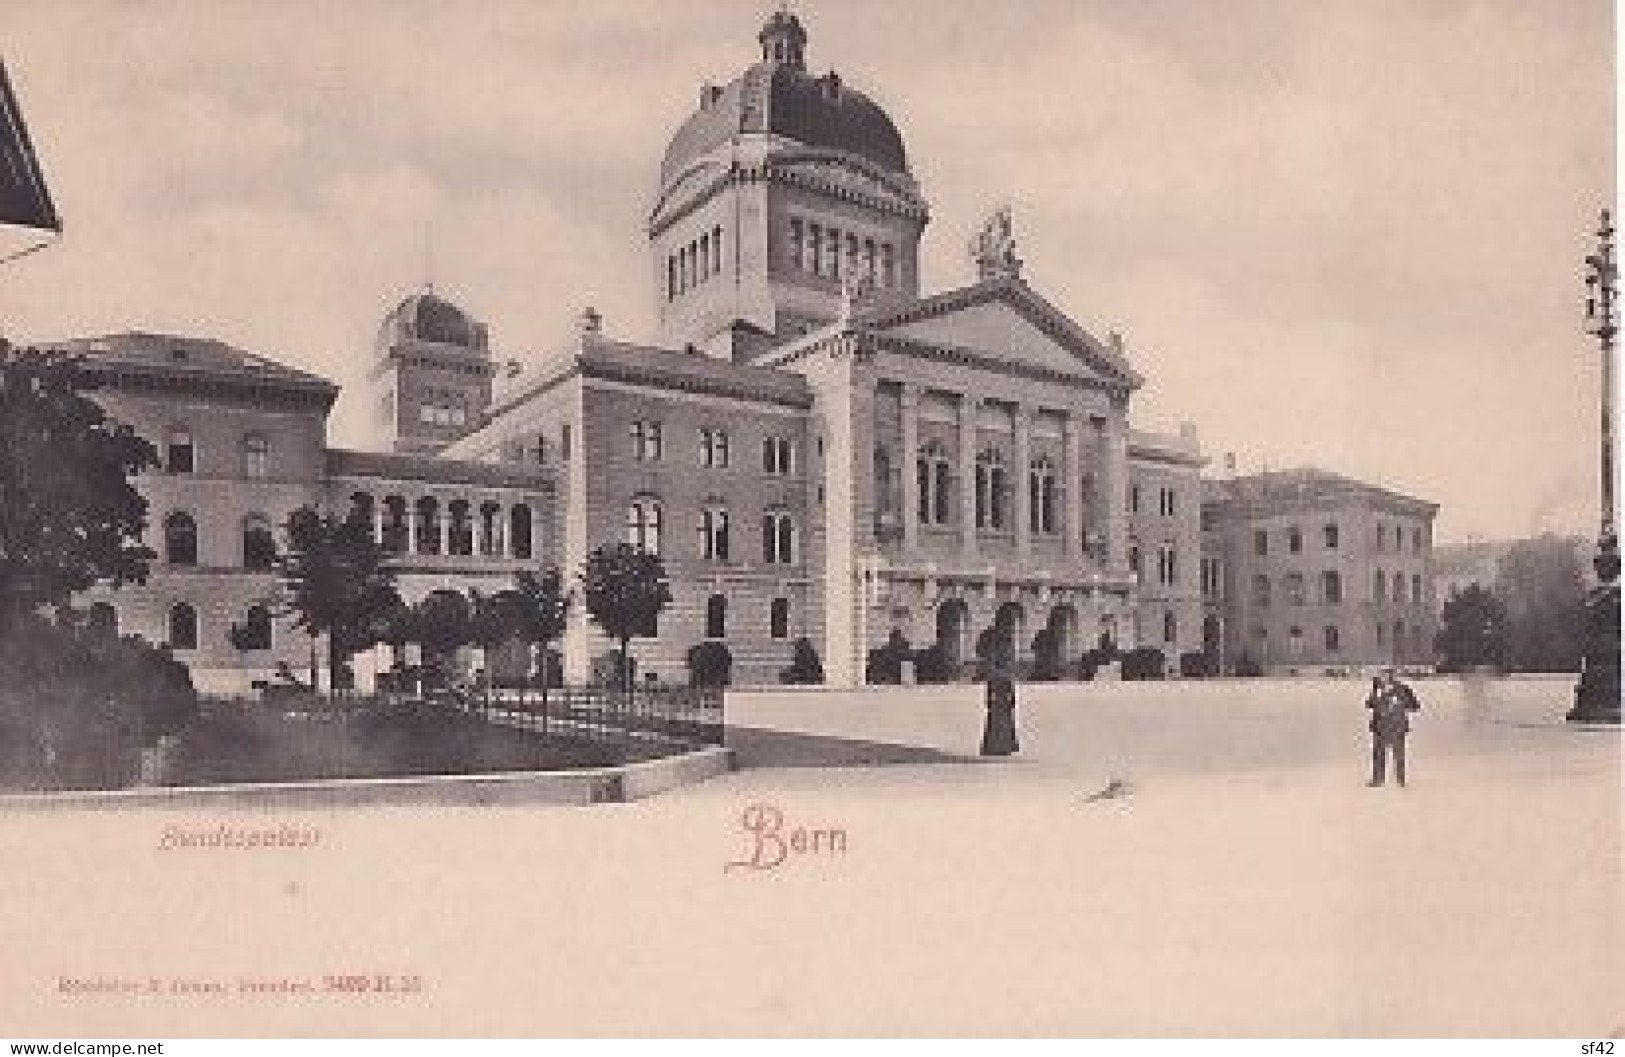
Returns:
(564, 441)
(815, 248)
(832, 253)
(796, 238)
(1261, 543)
(888, 266)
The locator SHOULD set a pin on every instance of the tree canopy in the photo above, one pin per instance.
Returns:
(69, 516)
(1540, 583)
(1472, 630)
(625, 590)
(337, 583)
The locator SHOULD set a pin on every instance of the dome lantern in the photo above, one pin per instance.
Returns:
(784, 42)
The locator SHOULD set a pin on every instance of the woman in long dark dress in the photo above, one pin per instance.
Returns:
(999, 731)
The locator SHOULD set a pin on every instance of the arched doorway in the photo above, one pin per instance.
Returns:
(953, 625)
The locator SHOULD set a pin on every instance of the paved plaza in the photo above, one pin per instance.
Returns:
(1239, 878)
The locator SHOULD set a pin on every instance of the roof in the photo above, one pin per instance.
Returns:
(782, 98)
(435, 469)
(1313, 483)
(181, 357)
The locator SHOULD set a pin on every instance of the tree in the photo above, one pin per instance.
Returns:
(625, 590)
(1472, 630)
(444, 621)
(1540, 583)
(544, 611)
(336, 584)
(69, 516)
(494, 620)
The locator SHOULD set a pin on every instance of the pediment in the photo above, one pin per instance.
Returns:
(1004, 322)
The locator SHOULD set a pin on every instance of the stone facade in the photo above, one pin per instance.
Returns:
(814, 448)
(1323, 572)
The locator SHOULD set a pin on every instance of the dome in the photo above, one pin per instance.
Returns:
(778, 96)
(428, 317)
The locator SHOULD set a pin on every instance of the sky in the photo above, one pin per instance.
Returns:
(1344, 233)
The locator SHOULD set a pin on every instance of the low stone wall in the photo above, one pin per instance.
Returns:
(578, 787)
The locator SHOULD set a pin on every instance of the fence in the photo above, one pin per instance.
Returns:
(648, 716)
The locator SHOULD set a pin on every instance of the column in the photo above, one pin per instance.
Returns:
(906, 468)
(378, 522)
(1072, 485)
(1114, 492)
(967, 474)
(1022, 420)
(442, 520)
(411, 525)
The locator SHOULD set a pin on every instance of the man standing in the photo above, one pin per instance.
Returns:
(1391, 702)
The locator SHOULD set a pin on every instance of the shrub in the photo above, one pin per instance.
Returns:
(931, 665)
(1247, 666)
(1146, 662)
(710, 664)
(805, 667)
(607, 671)
(1198, 665)
(1087, 665)
(885, 663)
(1046, 655)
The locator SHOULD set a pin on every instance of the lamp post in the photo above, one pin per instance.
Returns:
(1596, 697)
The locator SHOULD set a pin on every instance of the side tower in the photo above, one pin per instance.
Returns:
(778, 191)
(431, 379)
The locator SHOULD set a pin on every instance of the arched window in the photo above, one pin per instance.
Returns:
(714, 448)
(705, 257)
(1170, 627)
(180, 539)
(182, 627)
(490, 533)
(643, 524)
(1333, 639)
(396, 533)
(778, 456)
(716, 617)
(256, 457)
(648, 441)
(1134, 558)
(1041, 497)
(460, 531)
(778, 619)
(714, 533)
(778, 538)
(428, 512)
(520, 543)
(990, 489)
(1261, 591)
(180, 456)
(257, 629)
(259, 545)
(1379, 585)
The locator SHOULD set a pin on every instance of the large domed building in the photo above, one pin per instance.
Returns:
(818, 450)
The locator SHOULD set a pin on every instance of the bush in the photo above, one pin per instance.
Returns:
(1198, 665)
(1087, 665)
(1247, 666)
(931, 665)
(1047, 655)
(606, 670)
(1146, 662)
(884, 665)
(710, 664)
(805, 667)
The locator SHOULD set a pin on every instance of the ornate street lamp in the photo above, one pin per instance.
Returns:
(1596, 698)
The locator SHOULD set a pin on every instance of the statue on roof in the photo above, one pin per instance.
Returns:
(994, 248)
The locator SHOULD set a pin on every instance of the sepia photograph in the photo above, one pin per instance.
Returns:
(809, 519)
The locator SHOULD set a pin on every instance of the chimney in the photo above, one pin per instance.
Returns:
(1230, 464)
(590, 323)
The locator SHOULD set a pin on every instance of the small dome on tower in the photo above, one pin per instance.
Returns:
(429, 318)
